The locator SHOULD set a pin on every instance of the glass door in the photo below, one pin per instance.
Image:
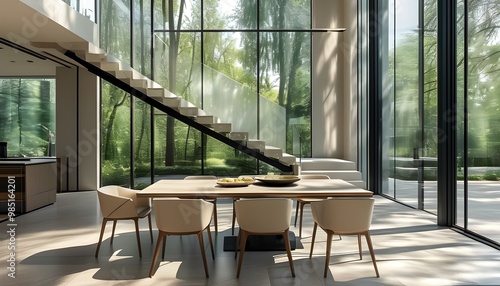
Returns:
(409, 103)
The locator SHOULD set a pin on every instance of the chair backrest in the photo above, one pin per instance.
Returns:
(263, 215)
(344, 215)
(305, 177)
(201, 177)
(182, 215)
(117, 202)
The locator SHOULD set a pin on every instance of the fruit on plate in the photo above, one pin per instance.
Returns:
(235, 180)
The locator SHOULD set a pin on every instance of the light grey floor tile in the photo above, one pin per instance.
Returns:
(55, 245)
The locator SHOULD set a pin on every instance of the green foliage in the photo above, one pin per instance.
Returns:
(113, 173)
(27, 115)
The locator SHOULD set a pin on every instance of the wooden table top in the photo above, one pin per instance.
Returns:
(311, 188)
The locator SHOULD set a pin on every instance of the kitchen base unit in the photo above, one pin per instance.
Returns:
(27, 184)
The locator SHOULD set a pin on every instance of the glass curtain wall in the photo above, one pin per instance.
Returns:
(409, 108)
(409, 101)
(247, 62)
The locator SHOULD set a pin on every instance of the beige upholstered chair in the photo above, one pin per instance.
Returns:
(344, 216)
(263, 217)
(182, 217)
(208, 199)
(119, 203)
(301, 202)
(234, 200)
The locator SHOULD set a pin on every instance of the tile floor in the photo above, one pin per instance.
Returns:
(55, 245)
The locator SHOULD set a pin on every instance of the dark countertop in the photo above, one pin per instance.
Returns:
(26, 160)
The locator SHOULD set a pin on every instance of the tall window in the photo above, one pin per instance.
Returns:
(479, 104)
(409, 102)
(27, 113)
(247, 62)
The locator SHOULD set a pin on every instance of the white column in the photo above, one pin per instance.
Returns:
(334, 92)
(77, 128)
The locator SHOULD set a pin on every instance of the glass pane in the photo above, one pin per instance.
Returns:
(462, 153)
(429, 101)
(227, 82)
(284, 86)
(181, 154)
(407, 129)
(165, 19)
(115, 136)
(483, 118)
(84, 7)
(115, 29)
(142, 142)
(27, 113)
(230, 14)
(142, 36)
(223, 160)
(387, 76)
(179, 70)
(285, 14)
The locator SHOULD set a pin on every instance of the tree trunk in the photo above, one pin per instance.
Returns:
(294, 66)
(109, 128)
(281, 53)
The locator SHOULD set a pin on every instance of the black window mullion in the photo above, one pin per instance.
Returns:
(131, 57)
(374, 166)
(466, 115)
(447, 112)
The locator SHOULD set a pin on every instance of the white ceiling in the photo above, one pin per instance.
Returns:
(20, 25)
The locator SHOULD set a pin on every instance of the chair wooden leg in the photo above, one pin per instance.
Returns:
(136, 221)
(113, 232)
(286, 240)
(329, 236)
(234, 218)
(210, 241)
(103, 226)
(203, 255)
(161, 237)
(296, 213)
(236, 248)
(243, 241)
(359, 247)
(372, 253)
(215, 217)
(150, 227)
(164, 246)
(313, 238)
(301, 215)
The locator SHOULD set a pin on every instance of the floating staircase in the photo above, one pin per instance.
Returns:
(123, 76)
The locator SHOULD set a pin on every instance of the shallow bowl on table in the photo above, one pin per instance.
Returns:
(278, 180)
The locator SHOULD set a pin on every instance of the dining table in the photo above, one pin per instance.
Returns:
(311, 188)
(204, 189)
